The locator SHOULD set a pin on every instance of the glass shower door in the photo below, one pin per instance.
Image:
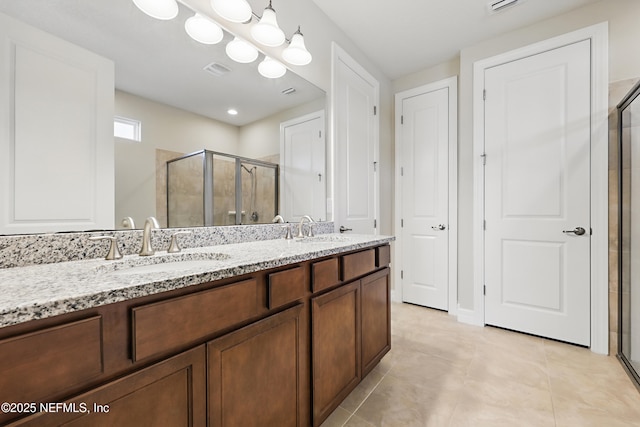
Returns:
(629, 233)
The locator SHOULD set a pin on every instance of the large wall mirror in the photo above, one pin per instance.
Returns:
(181, 91)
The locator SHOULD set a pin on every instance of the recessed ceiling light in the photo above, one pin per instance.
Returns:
(232, 111)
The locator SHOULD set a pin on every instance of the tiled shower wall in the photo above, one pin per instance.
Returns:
(617, 91)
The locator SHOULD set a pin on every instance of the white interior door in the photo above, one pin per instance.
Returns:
(355, 146)
(537, 194)
(303, 176)
(424, 237)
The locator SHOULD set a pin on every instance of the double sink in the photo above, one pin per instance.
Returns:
(184, 261)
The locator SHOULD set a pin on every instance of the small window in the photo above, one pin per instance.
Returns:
(127, 128)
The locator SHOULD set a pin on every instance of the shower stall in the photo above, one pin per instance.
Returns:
(629, 233)
(209, 188)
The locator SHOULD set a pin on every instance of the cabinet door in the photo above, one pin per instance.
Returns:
(169, 393)
(376, 320)
(335, 345)
(255, 374)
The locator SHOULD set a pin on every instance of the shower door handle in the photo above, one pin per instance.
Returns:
(578, 231)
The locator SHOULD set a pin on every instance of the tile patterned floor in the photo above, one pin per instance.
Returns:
(443, 373)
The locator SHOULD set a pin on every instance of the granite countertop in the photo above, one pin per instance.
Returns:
(41, 291)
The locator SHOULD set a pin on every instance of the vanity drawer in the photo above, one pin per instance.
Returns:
(324, 274)
(286, 286)
(171, 324)
(383, 256)
(358, 264)
(41, 364)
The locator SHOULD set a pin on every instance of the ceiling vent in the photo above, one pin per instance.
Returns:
(288, 91)
(216, 69)
(498, 5)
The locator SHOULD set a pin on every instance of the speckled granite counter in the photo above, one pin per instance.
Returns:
(41, 291)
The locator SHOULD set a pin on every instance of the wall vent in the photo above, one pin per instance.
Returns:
(497, 5)
(216, 69)
(288, 91)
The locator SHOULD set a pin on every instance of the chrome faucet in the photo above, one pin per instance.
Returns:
(278, 219)
(149, 224)
(310, 220)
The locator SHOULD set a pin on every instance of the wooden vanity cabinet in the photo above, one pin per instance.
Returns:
(280, 347)
(351, 331)
(169, 393)
(256, 374)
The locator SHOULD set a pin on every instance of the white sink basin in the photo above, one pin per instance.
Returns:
(161, 263)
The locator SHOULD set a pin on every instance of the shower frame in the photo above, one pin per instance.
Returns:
(208, 184)
(624, 255)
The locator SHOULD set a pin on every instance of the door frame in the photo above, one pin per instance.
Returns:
(598, 34)
(296, 121)
(451, 84)
(338, 54)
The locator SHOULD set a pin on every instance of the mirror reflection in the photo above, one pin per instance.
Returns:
(175, 94)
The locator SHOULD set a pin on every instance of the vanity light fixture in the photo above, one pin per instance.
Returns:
(241, 51)
(233, 10)
(266, 31)
(296, 53)
(159, 9)
(271, 69)
(203, 30)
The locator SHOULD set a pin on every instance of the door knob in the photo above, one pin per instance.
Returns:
(438, 227)
(578, 231)
(343, 229)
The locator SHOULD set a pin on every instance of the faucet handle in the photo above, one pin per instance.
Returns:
(113, 253)
(310, 232)
(287, 234)
(174, 246)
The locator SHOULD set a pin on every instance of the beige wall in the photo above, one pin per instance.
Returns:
(165, 128)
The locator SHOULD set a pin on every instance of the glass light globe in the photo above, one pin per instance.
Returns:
(296, 53)
(159, 9)
(203, 30)
(271, 69)
(266, 31)
(241, 51)
(232, 10)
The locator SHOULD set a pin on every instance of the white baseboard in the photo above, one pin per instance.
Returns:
(468, 316)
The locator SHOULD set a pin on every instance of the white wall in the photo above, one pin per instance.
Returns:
(624, 63)
(262, 137)
(319, 31)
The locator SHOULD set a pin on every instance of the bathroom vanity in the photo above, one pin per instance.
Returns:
(269, 333)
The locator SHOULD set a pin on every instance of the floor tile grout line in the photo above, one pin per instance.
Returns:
(546, 361)
(366, 397)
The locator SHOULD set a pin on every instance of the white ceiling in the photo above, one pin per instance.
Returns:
(406, 36)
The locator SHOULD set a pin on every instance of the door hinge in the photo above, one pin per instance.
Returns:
(401, 171)
(375, 223)
(484, 289)
(401, 120)
(484, 94)
(484, 159)
(484, 224)
(319, 134)
(401, 223)
(402, 274)
(375, 166)
(375, 110)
